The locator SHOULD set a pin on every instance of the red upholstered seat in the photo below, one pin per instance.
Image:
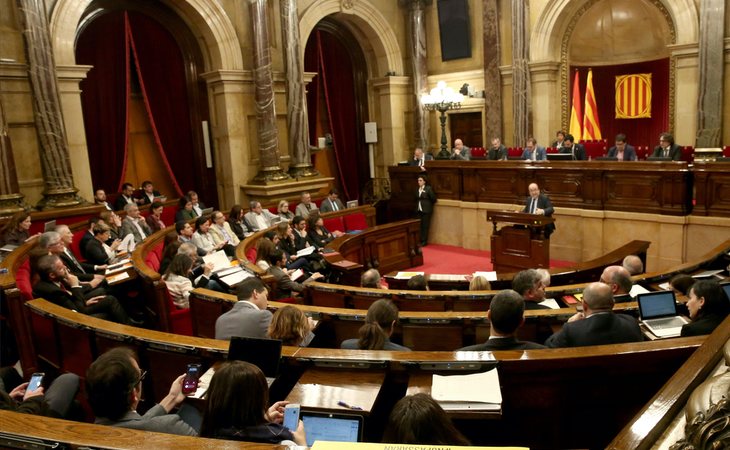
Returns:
(168, 215)
(334, 224)
(75, 244)
(478, 153)
(514, 152)
(23, 281)
(642, 152)
(251, 254)
(179, 319)
(726, 150)
(552, 150)
(688, 154)
(356, 221)
(153, 261)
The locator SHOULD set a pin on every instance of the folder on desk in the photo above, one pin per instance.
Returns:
(476, 391)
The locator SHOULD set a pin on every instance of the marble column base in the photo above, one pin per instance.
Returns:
(60, 198)
(270, 175)
(302, 170)
(11, 204)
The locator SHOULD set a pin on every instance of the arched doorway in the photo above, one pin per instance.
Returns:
(143, 101)
(337, 104)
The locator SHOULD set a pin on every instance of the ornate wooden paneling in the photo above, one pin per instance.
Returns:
(712, 181)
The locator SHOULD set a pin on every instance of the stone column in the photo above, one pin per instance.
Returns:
(521, 93)
(269, 169)
(712, 69)
(492, 79)
(59, 188)
(296, 102)
(417, 42)
(11, 200)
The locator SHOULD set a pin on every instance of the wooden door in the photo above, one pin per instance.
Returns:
(467, 127)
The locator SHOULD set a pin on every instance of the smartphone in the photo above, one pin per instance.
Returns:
(35, 381)
(190, 382)
(291, 416)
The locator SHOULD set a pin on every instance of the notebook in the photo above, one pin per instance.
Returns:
(263, 353)
(658, 311)
(338, 427)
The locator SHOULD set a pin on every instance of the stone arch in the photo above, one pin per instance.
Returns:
(221, 49)
(368, 21)
(546, 38)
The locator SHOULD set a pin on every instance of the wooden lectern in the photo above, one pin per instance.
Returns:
(522, 243)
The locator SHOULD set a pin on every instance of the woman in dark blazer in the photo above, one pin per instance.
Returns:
(425, 199)
(708, 306)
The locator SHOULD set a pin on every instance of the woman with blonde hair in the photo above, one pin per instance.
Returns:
(479, 283)
(283, 211)
(291, 326)
(379, 324)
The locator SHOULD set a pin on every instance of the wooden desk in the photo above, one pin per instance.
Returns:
(319, 389)
(420, 382)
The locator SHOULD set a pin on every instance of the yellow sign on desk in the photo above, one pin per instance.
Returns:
(321, 445)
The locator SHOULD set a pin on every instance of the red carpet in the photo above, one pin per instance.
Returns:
(449, 259)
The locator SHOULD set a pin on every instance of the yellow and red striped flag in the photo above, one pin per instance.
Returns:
(633, 96)
(575, 113)
(591, 127)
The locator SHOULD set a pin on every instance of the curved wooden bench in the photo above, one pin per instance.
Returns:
(24, 429)
(541, 388)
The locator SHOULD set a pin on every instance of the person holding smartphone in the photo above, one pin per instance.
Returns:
(32, 398)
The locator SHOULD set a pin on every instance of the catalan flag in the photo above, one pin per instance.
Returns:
(576, 128)
(633, 96)
(591, 127)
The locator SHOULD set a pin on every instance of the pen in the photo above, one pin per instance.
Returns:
(345, 405)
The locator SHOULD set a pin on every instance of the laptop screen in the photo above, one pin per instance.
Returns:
(656, 304)
(332, 427)
(726, 288)
(264, 353)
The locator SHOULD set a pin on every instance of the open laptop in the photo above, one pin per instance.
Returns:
(658, 311)
(337, 427)
(49, 226)
(263, 353)
(559, 156)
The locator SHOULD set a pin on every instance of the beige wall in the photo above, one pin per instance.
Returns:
(224, 32)
(582, 235)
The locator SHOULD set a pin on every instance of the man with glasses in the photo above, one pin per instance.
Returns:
(114, 389)
(667, 148)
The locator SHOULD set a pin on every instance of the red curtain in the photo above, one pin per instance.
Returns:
(115, 44)
(104, 100)
(336, 81)
(161, 77)
(644, 132)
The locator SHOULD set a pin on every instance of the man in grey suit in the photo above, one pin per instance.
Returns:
(332, 202)
(114, 389)
(533, 152)
(249, 316)
(306, 205)
(134, 224)
(259, 218)
(461, 152)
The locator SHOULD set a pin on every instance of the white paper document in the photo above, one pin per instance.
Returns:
(127, 244)
(306, 251)
(234, 278)
(550, 303)
(297, 274)
(490, 276)
(446, 277)
(479, 391)
(219, 260)
(407, 275)
(637, 289)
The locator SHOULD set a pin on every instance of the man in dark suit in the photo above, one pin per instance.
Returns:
(285, 286)
(332, 202)
(125, 197)
(534, 152)
(497, 152)
(425, 199)
(667, 148)
(539, 204)
(622, 150)
(506, 314)
(149, 194)
(620, 281)
(249, 316)
(89, 235)
(528, 283)
(597, 324)
(61, 287)
(419, 159)
(570, 146)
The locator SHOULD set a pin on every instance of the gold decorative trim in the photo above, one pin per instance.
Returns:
(565, 73)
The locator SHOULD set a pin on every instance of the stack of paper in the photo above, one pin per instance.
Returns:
(490, 276)
(407, 275)
(219, 259)
(478, 391)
